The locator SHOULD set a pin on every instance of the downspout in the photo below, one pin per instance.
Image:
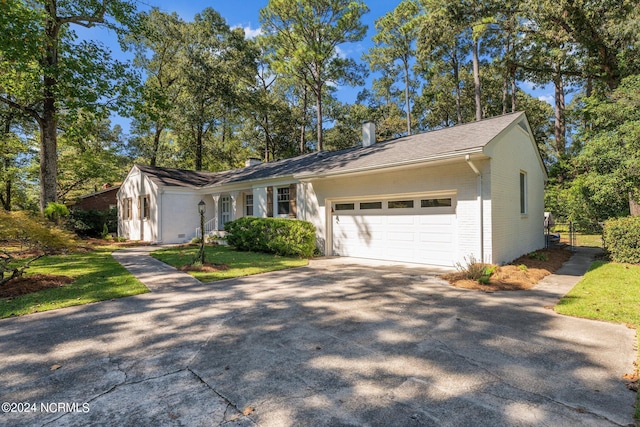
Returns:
(467, 158)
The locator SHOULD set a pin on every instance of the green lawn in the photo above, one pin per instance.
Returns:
(609, 292)
(97, 276)
(239, 263)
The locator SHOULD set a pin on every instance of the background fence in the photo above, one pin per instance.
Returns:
(574, 234)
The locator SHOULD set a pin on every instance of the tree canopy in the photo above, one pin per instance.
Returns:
(202, 95)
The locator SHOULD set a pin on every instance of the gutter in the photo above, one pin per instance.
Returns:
(440, 157)
(473, 167)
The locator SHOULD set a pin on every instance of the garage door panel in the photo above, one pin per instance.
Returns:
(401, 219)
(395, 236)
(437, 237)
(402, 236)
(439, 219)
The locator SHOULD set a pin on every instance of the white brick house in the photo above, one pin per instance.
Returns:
(432, 198)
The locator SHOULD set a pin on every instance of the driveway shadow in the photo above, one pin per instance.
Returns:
(353, 345)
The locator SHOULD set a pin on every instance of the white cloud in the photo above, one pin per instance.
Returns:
(249, 33)
(340, 53)
(549, 99)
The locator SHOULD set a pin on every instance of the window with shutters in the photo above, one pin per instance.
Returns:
(144, 209)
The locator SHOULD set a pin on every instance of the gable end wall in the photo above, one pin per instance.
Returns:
(514, 234)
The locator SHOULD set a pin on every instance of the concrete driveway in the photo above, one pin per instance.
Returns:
(333, 344)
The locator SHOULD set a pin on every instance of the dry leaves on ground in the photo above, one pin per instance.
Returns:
(27, 284)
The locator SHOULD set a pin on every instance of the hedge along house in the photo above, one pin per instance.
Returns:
(434, 198)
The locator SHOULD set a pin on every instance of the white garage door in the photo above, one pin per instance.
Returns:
(420, 230)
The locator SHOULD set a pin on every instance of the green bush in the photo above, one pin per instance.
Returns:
(621, 238)
(287, 237)
(92, 223)
(56, 211)
(540, 256)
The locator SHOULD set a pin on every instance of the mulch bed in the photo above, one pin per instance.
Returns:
(34, 283)
(206, 267)
(511, 277)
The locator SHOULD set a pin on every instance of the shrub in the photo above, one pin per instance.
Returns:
(621, 239)
(476, 270)
(105, 231)
(36, 239)
(287, 237)
(92, 223)
(540, 256)
(56, 211)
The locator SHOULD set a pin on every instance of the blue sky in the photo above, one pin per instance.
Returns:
(244, 13)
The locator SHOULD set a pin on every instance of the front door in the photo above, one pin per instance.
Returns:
(225, 211)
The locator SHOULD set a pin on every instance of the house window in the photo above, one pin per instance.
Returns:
(126, 208)
(283, 201)
(523, 193)
(144, 209)
(225, 211)
(371, 205)
(435, 203)
(400, 204)
(345, 206)
(248, 205)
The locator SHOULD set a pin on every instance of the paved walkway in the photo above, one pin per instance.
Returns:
(336, 343)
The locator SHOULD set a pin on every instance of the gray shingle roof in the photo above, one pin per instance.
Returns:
(448, 142)
(177, 177)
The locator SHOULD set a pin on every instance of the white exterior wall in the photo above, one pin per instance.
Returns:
(473, 216)
(515, 234)
(180, 216)
(260, 202)
(455, 177)
(137, 184)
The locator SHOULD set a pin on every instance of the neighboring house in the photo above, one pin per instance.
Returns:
(102, 200)
(436, 198)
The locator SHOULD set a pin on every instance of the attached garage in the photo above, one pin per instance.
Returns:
(420, 229)
(435, 198)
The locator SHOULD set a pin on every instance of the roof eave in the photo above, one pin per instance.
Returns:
(407, 163)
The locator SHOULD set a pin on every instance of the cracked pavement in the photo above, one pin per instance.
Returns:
(335, 343)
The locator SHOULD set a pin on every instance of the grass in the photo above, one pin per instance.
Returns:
(609, 292)
(97, 277)
(239, 263)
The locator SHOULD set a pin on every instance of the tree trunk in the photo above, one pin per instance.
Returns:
(505, 90)
(8, 183)
(514, 90)
(559, 126)
(303, 127)
(8, 188)
(634, 206)
(456, 78)
(267, 137)
(156, 144)
(199, 133)
(406, 95)
(49, 122)
(476, 79)
(319, 115)
(505, 80)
